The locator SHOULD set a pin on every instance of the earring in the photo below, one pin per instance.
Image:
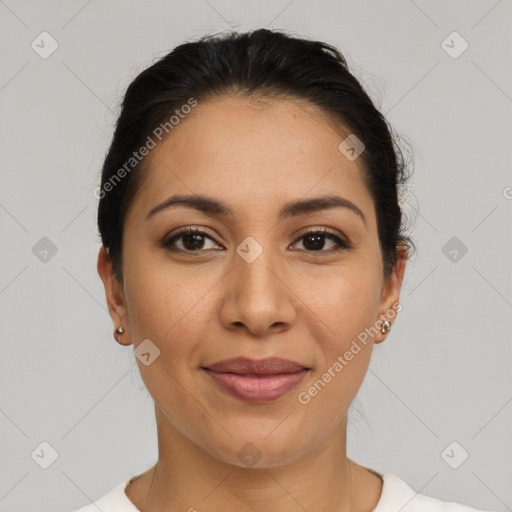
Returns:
(119, 330)
(386, 326)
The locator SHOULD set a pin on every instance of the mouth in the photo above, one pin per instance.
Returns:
(256, 381)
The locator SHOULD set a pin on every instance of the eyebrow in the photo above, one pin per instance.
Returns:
(214, 207)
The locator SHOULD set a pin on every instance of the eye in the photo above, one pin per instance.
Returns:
(314, 241)
(193, 240)
(189, 240)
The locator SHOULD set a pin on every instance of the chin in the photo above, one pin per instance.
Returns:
(258, 452)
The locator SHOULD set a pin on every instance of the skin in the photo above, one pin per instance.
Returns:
(292, 302)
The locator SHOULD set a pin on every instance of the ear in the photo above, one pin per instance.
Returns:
(114, 295)
(390, 306)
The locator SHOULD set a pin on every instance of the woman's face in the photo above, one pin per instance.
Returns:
(254, 286)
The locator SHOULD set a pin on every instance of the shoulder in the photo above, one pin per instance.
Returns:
(114, 501)
(397, 495)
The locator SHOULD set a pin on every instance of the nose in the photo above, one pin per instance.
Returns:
(257, 297)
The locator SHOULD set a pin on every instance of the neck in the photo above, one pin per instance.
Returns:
(188, 478)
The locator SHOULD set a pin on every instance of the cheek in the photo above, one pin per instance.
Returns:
(175, 314)
(170, 313)
(343, 309)
(345, 303)
(159, 300)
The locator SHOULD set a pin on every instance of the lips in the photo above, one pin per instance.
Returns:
(256, 381)
(244, 366)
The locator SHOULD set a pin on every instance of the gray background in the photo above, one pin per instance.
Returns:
(443, 374)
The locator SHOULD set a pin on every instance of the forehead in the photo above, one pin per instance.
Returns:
(240, 149)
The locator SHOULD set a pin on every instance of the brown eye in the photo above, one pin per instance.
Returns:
(191, 240)
(315, 241)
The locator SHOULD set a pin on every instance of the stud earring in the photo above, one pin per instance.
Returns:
(119, 330)
(386, 326)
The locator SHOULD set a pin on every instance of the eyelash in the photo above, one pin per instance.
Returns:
(341, 244)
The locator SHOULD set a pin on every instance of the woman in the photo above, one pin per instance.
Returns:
(253, 252)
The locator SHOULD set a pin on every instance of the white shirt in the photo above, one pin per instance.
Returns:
(396, 496)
